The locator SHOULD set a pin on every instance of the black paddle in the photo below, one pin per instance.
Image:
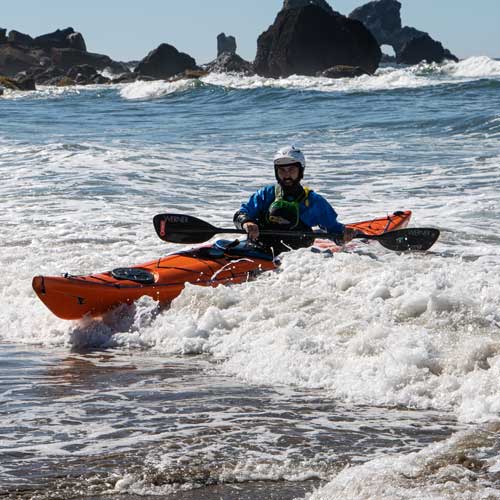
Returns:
(178, 228)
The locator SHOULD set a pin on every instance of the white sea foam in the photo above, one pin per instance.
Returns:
(155, 89)
(406, 331)
(386, 78)
(52, 92)
(455, 469)
(242, 472)
(474, 67)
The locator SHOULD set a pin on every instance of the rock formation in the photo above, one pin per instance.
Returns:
(383, 19)
(86, 74)
(423, 48)
(309, 39)
(18, 38)
(165, 61)
(230, 63)
(61, 39)
(47, 58)
(22, 83)
(298, 4)
(16, 58)
(46, 75)
(227, 60)
(76, 41)
(66, 58)
(225, 44)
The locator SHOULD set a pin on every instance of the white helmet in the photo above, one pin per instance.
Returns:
(289, 155)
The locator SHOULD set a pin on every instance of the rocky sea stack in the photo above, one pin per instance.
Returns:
(225, 44)
(308, 39)
(228, 61)
(164, 62)
(411, 46)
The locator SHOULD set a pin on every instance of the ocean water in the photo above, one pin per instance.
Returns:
(369, 374)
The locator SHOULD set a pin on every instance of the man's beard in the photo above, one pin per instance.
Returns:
(292, 187)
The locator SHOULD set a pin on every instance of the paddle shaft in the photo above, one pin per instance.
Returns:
(179, 228)
(277, 232)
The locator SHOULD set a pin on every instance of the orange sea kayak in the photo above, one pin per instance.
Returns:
(73, 297)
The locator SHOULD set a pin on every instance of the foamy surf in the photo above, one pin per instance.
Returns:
(474, 67)
(380, 331)
(155, 89)
(386, 78)
(463, 467)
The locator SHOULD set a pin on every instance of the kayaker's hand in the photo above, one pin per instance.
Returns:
(252, 230)
(348, 234)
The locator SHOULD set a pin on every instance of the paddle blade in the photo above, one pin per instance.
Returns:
(413, 239)
(176, 228)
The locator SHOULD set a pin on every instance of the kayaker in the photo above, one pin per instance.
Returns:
(288, 205)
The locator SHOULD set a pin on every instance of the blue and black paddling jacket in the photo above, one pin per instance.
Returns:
(314, 211)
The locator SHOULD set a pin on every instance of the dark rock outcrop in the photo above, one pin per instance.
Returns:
(78, 75)
(383, 19)
(62, 49)
(420, 49)
(307, 40)
(165, 61)
(8, 83)
(18, 38)
(3, 35)
(405, 35)
(225, 44)
(67, 38)
(46, 76)
(26, 83)
(61, 39)
(230, 63)
(85, 75)
(68, 58)
(298, 4)
(14, 59)
(342, 72)
(23, 83)
(76, 41)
